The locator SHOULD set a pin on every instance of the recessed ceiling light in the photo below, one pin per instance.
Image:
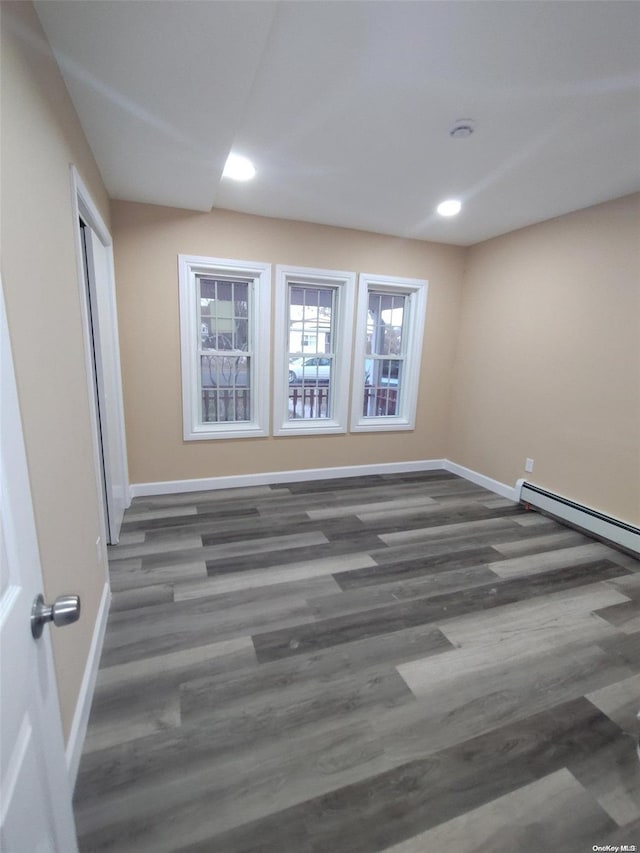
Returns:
(451, 207)
(238, 168)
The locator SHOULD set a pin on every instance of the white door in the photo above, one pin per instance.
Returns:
(102, 317)
(35, 796)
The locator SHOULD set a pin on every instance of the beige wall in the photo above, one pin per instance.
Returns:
(147, 241)
(40, 137)
(548, 365)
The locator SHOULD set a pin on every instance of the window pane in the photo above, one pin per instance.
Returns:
(224, 312)
(383, 376)
(389, 369)
(310, 319)
(207, 288)
(241, 335)
(225, 378)
(309, 388)
(310, 325)
(241, 298)
(385, 321)
(383, 381)
(380, 402)
(241, 314)
(225, 371)
(226, 387)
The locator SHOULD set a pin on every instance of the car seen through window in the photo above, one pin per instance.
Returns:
(307, 370)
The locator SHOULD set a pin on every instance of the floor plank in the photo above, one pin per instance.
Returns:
(394, 663)
(527, 820)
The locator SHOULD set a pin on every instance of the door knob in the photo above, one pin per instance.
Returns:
(64, 611)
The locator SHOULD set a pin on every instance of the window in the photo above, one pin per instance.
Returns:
(224, 323)
(314, 318)
(390, 322)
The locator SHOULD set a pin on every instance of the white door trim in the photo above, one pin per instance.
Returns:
(78, 731)
(84, 207)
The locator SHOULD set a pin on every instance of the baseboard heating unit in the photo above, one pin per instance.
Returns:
(591, 521)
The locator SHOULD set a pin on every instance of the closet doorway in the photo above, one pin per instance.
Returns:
(102, 355)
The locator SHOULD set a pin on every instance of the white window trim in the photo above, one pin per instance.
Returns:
(345, 284)
(259, 275)
(416, 290)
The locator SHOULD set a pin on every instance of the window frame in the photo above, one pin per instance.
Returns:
(416, 291)
(344, 284)
(259, 277)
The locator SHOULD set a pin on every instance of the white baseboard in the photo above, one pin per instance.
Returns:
(273, 477)
(83, 706)
(590, 520)
(510, 492)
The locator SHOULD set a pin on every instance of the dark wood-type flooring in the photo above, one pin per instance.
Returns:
(402, 663)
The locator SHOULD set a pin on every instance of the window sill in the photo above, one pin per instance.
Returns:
(310, 427)
(237, 431)
(385, 424)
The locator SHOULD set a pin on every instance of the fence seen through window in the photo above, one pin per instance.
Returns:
(225, 350)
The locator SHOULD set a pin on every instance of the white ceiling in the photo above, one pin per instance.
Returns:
(345, 107)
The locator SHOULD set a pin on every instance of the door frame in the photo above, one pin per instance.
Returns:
(83, 207)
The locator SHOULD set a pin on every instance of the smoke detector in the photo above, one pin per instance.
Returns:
(462, 128)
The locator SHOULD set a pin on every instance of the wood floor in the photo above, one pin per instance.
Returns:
(402, 663)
